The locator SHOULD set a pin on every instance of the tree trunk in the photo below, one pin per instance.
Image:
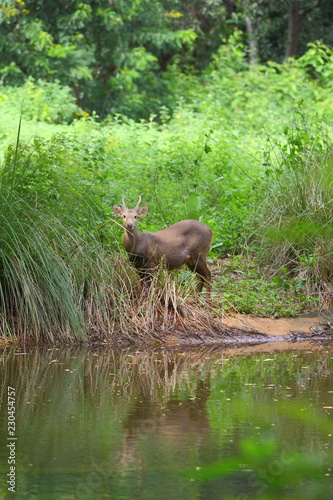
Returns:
(253, 52)
(294, 17)
(251, 29)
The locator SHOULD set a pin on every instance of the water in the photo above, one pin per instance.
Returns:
(146, 424)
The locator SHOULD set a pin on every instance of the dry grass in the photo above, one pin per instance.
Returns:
(152, 311)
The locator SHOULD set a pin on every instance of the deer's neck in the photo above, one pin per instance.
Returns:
(130, 240)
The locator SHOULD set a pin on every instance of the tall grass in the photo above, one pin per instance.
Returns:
(50, 258)
(298, 210)
(37, 292)
(32, 278)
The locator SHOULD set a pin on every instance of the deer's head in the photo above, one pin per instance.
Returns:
(130, 216)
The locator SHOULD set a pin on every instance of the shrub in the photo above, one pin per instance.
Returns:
(41, 101)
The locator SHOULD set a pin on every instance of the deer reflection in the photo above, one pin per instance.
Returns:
(178, 424)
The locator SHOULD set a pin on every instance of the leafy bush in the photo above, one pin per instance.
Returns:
(41, 101)
(247, 289)
(260, 96)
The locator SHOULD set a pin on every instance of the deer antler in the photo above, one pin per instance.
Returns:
(139, 201)
(123, 202)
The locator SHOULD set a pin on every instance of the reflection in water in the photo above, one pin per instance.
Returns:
(107, 424)
(179, 425)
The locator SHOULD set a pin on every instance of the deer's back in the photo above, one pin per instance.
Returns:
(190, 232)
(181, 240)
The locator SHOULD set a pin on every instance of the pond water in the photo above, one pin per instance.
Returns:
(203, 423)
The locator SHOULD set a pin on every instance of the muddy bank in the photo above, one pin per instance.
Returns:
(240, 331)
(278, 327)
(247, 329)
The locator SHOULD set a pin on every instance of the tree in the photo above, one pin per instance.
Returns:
(295, 16)
(104, 50)
(126, 57)
(250, 9)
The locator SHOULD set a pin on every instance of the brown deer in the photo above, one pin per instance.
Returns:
(186, 242)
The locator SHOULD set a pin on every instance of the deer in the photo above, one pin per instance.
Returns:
(185, 242)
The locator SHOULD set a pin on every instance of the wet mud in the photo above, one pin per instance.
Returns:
(257, 334)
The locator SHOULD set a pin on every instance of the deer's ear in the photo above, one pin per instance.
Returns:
(143, 211)
(117, 210)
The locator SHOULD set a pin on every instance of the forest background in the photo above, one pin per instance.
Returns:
(216, 110)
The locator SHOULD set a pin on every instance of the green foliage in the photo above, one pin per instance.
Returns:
(248, 288)
(42, 175)
(40, 101)
(298, 208)
(110, 55)
(241, 149)
(262, 96)
(318, 60)
(133, 57)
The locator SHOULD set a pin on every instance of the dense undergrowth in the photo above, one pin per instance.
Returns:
(246, 151)
(62, 273)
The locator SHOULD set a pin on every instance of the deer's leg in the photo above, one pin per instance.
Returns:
(204, 275)
(146, 272)
(145, 276)
(201, 269)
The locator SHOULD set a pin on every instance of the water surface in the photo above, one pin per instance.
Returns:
(145, 424)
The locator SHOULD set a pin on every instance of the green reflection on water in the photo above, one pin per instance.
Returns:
(134, 424)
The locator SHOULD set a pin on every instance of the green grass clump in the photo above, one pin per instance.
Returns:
(43, 221)
(36, 296)
(296, 227)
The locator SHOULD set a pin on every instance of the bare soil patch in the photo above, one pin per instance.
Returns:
(268, 334)
(276, 327)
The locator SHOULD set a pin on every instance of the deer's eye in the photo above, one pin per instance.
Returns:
(135, 217)
(124, 216)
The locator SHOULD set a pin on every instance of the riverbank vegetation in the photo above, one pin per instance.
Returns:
(245, 148)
